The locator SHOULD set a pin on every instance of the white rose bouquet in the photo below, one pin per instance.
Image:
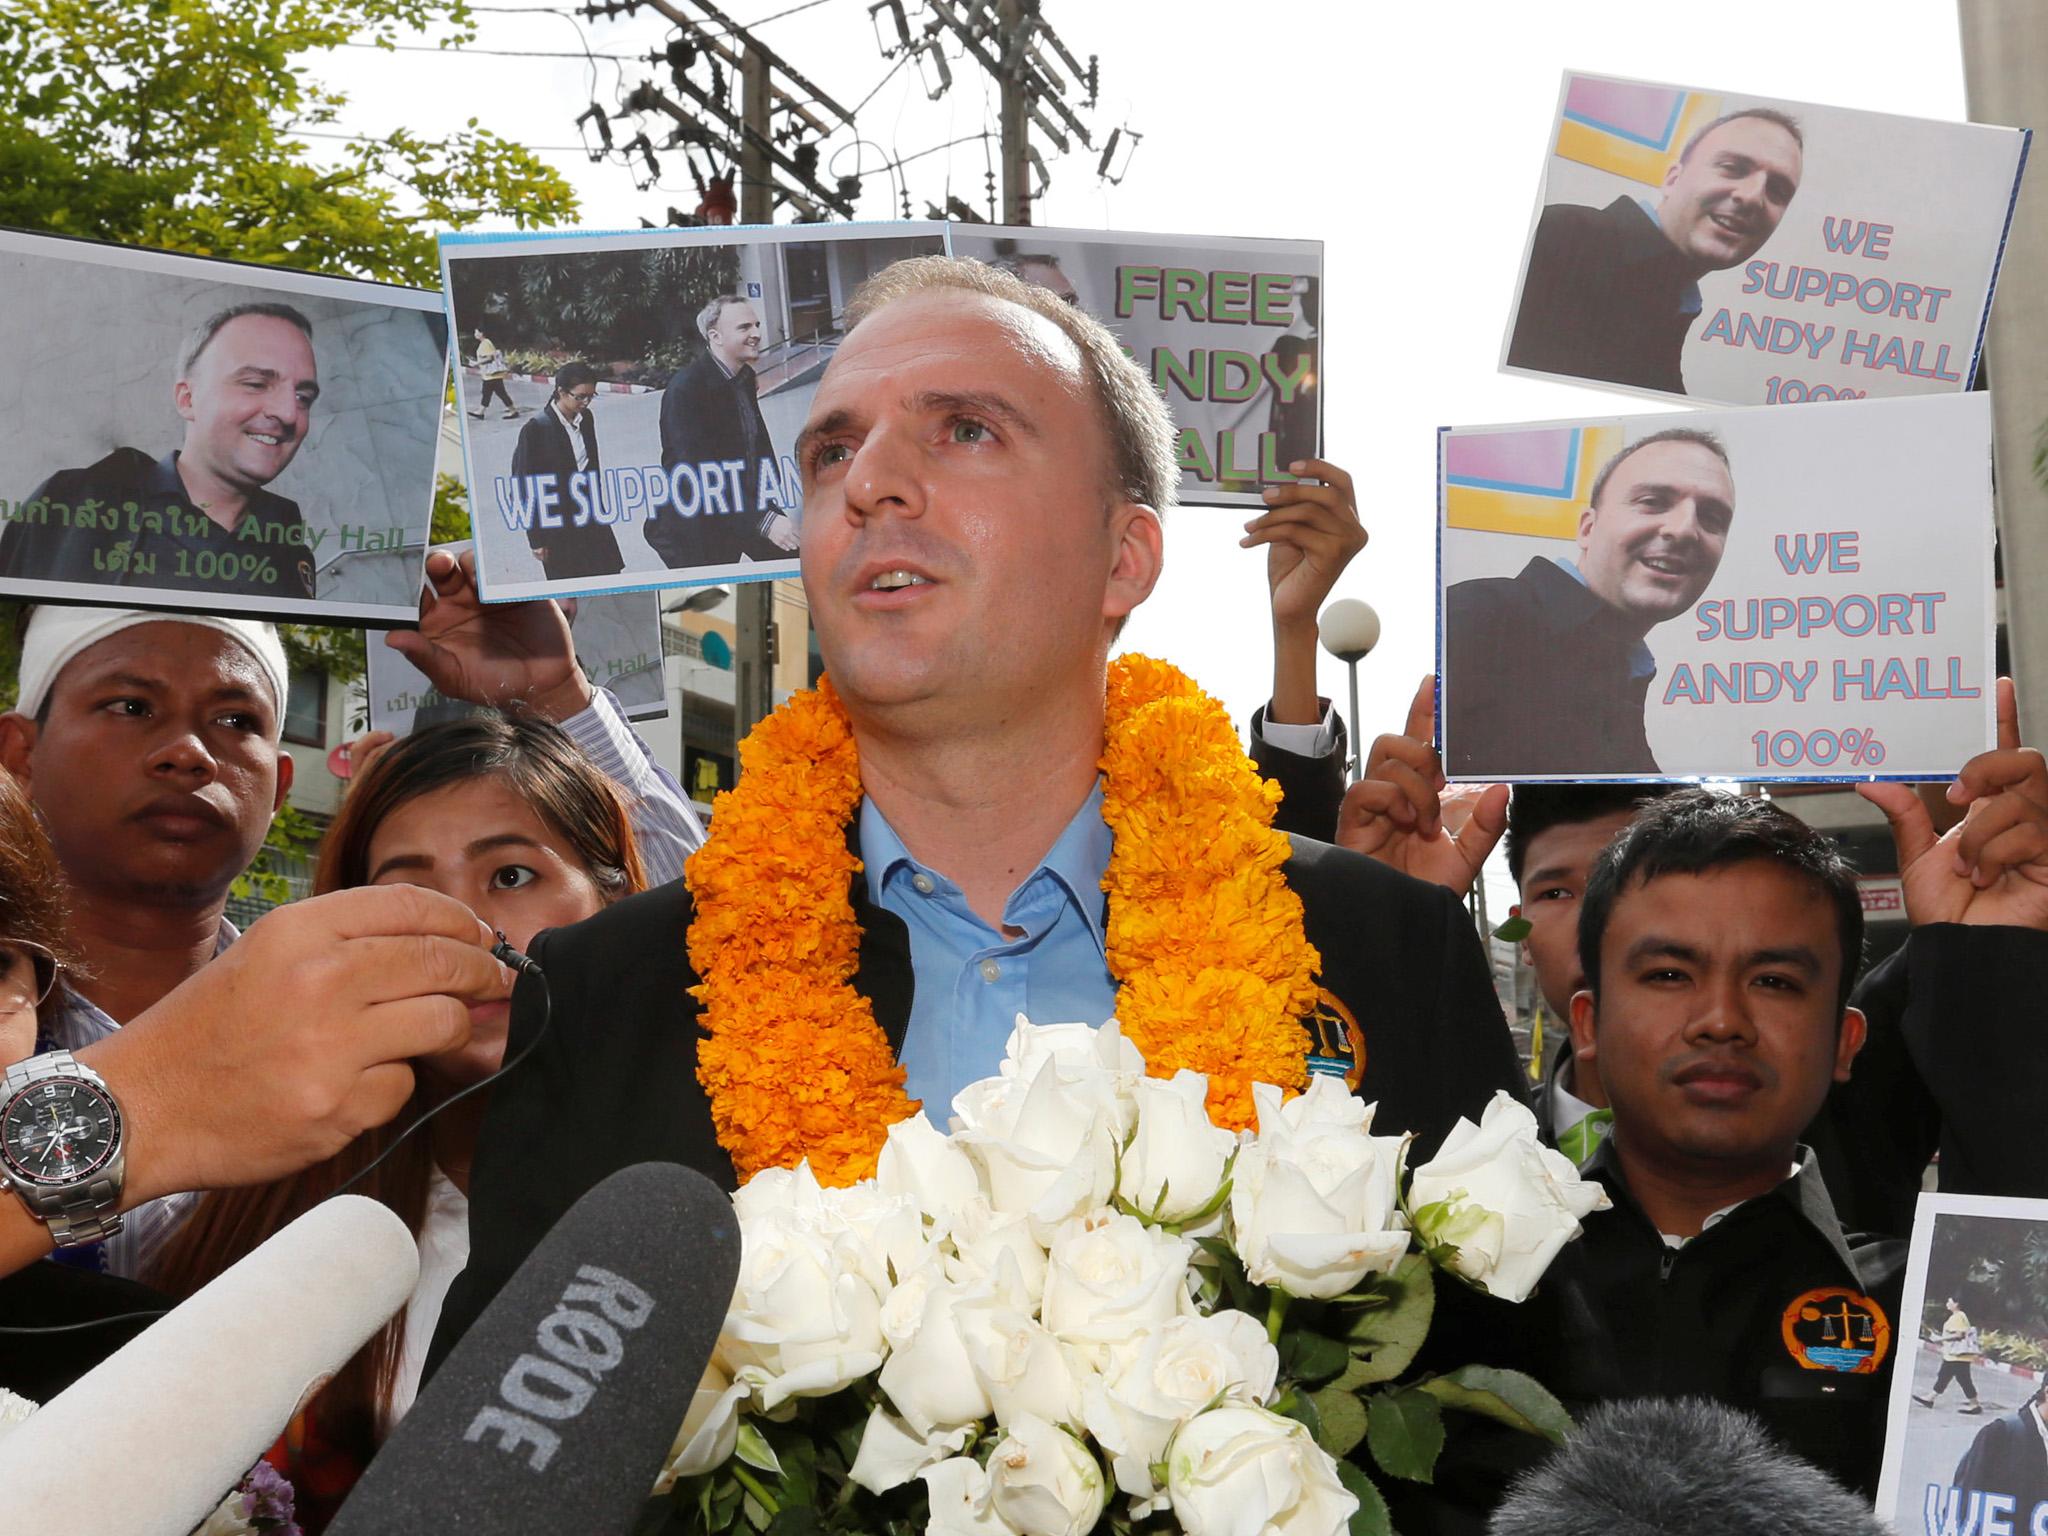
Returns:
(1091, 1309)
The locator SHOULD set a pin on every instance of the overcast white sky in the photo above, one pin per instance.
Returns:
(1409, 138)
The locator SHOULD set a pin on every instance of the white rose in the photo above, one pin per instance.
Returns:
(877, 1233)
(1505, 1200)
(960, 1504)
(1175, 1161)
(1236, 1469)
(1044, 1481)
(710, 1429)
(1046, 1146)
(922, 1164)
(1020, 1363)
(1177, 1372)
(1110, 1278)
(930, 1379)
(892, 1453)
(230, 1518)
(998, 1251)
(1312, 1199)
(804, 1321)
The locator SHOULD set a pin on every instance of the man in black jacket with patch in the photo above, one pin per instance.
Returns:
(713, 432)
(976, 451)
(1611, 293)
(559, 441)
(1548, 673)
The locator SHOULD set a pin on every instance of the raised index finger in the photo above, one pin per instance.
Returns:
(1421, 724)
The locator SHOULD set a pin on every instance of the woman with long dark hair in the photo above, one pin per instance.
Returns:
(504, 813)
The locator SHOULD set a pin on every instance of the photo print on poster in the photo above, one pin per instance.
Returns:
(631, 401)
(1743, 250)
(1229, 330)
(1966, 1432)
(1765, 594)
(203, 434)
(618, 645)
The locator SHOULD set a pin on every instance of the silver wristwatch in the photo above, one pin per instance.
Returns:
(62, 1146)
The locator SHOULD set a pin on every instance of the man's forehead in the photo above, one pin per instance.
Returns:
(1687, 464)
(170, 653)
(1573, 844)
(258, 340)
(1760, 139)
(976, 331)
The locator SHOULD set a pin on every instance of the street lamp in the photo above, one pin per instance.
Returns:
(1350, 629)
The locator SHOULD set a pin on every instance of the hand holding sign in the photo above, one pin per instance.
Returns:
(1396, 813)
(1311, 532)
(495, 653)
(1992, 868)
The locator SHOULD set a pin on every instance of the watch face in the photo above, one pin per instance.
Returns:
(58, 1131)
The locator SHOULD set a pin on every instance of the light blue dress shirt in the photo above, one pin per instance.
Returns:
(971, 981)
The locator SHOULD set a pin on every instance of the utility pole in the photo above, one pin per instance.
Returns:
(753, 658)
(1015, 120)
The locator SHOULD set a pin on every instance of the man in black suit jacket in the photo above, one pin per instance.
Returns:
(583, 544)
(711, 422)
(975, 451)
(2010, 1456)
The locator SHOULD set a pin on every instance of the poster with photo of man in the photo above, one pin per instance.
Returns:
(1966, 1435)
(205, 434)
(1753, 594)
(1229, 329)
(631, 401)
(618, 645)
(1751, 251)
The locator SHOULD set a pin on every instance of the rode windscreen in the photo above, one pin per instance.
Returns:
(559, 1406)
(1679, 1467)
(150, 1440)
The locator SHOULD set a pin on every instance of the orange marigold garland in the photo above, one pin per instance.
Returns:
(1205, 939)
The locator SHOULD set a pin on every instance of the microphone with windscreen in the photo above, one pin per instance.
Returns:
(150, 1440)
(1678, 1467)
(559, 1406)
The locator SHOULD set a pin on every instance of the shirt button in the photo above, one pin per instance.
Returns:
(990, 971)
(923, 882)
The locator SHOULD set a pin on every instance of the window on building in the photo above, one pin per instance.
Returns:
(305, 707)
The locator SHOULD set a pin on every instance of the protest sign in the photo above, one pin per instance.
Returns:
(1966, 1440)
(1751, 251)
(1230, 331)
(631, 401)
(204, 434)
(618, 645)
(1767, 594)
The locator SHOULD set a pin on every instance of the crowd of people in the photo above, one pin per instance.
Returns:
(1760, 1110)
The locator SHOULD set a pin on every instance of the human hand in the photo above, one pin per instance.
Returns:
(491, 653)
(1992, 867)
(365, 750)
(1401, 814)
(1311, 532)
(297, 1039)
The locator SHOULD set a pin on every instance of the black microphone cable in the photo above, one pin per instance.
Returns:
(505, 954)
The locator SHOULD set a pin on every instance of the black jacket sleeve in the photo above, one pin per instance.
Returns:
(530, 457)
(1973, 1026)
(1313, 786)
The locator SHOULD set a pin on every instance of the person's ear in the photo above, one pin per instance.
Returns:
(1671, 174)
(1849, 1040)
(286, 767)
(17, 743)
(1140, 555)
(181, 398)
(1586, 515)
(1584, 1036)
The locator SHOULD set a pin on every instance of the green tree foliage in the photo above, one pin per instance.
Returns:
(178, 124)
(607, 307)
(1998, 1269)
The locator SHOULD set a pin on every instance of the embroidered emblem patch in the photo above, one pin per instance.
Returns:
(1834, 1328)
(1336, 1044)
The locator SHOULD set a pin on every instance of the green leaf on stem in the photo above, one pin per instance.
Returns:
(1516, 1400)
(1311, 1357)
(1386, 1336)
(1371, 1517)
(753, 1448)
(1405, 1432)
(1343, 1420)
(1301, 1408)
(1231, 1270)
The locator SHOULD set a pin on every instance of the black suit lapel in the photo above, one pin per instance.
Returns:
(882, 974)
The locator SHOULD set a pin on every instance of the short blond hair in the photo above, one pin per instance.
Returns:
(1141, 432)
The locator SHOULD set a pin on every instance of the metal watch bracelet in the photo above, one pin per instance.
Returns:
(75, 1213)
